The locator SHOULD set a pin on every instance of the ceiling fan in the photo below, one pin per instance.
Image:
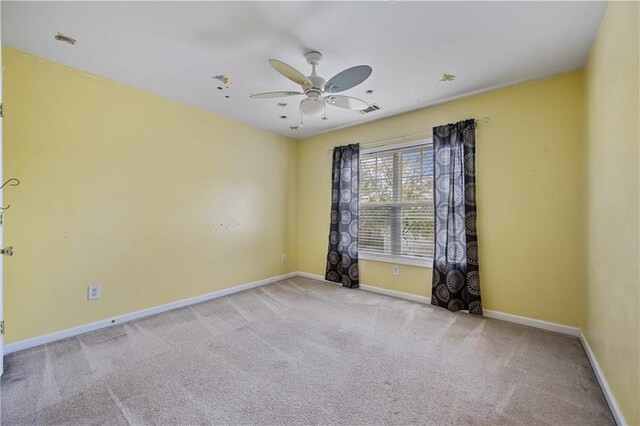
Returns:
(319, 92)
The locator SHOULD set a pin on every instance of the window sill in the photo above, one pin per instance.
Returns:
(426, 263)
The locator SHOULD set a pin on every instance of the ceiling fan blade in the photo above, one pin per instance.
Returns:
(347, 102)
(348, 78)
(291, 73)
(268, 95)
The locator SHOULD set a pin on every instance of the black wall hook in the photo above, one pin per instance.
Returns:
(12, 182)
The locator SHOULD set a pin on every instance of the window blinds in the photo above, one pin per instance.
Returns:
(396, 203)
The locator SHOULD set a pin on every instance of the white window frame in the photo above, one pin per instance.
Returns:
(390, 258)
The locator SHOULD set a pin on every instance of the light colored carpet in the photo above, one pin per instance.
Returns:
(305, 352)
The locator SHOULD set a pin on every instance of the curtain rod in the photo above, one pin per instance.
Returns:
(482, 120)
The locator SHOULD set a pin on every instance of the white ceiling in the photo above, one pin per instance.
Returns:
(174, 48)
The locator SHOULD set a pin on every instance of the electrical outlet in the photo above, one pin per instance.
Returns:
(93, 292)
(284, 258)
(395, 270)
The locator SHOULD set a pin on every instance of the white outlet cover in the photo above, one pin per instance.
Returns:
(284, 258)
(395, 270)
(93, 292)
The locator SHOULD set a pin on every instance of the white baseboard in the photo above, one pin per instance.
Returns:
(532, 322)
(399, 294)
(313, 277)
(604, 385)
(74, 331)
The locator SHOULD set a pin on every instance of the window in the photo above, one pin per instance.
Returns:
(396, 203)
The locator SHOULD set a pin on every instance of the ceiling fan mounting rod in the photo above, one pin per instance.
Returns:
(317, 82)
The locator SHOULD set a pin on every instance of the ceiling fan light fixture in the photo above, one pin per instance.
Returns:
(312, 106)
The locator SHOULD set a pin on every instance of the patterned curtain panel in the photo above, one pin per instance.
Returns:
(342, 260)
(456, 277)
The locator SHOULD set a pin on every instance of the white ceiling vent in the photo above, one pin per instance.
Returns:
(372, 108)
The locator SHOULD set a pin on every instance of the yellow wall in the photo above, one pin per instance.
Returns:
(129, 190)
(530, 197)
(612, 296)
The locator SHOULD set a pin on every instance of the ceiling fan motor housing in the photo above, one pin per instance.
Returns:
(317, 83)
